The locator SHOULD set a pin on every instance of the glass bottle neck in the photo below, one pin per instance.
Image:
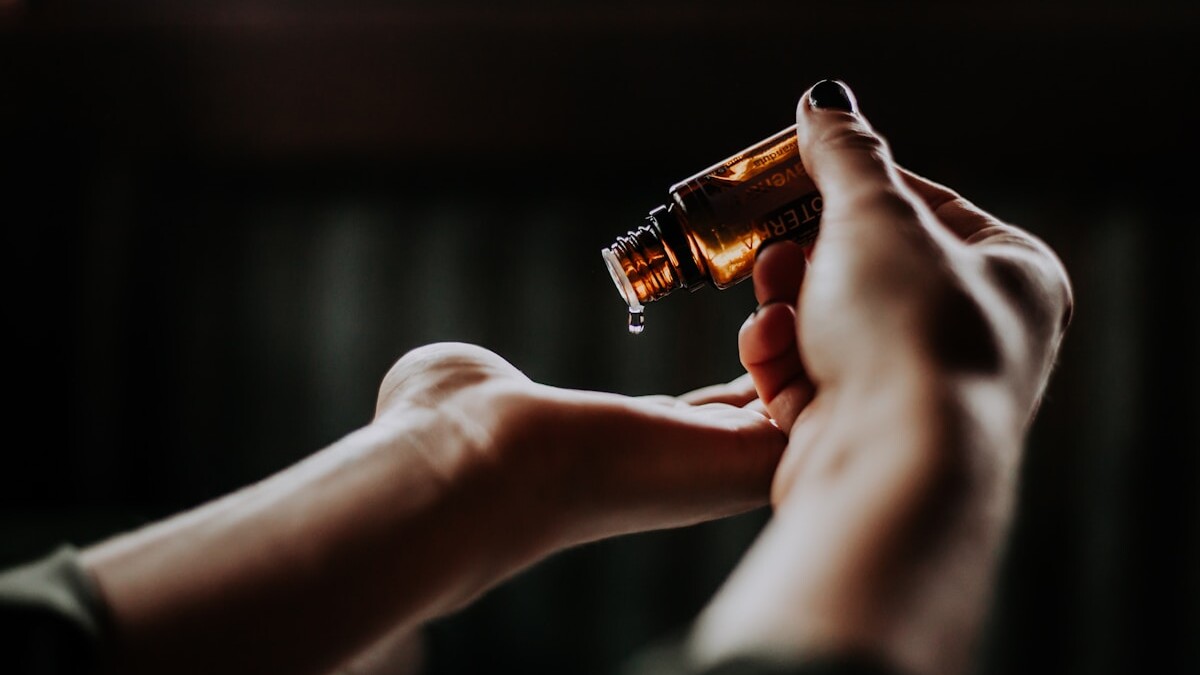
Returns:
(640, 267)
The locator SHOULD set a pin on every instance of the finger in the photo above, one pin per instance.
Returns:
(757, 406)
(737, 392)
(778, 272)
(656, 466)
(661, 399)
(864, 199)
(841, 152)
(723, 456)
(768, 350)
(767, 341)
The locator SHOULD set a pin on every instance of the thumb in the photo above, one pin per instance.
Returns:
(850, 163)
(879, 246)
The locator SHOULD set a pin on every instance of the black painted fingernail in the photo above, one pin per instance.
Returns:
(831, 95)
(763, 246)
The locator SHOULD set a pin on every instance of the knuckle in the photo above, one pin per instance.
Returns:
(1038, 288)
(859, 139)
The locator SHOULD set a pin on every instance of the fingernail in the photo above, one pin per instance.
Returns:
(763, 246)
(831, 95)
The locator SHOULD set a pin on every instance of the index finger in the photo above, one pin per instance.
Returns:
(737, 392)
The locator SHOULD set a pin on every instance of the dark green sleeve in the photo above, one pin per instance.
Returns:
(52, 620)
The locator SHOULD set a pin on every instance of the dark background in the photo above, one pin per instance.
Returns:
(223, 222)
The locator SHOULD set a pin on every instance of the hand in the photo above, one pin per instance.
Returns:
(468, 473)
(574, 466)
(906, 354)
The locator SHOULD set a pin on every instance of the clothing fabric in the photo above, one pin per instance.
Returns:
(53, 621)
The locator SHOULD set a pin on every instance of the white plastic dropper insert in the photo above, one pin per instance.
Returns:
(637, 316)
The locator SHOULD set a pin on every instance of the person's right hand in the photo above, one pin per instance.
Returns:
(906, 275)
(906, 356)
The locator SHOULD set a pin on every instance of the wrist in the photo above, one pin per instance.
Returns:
(903, 492)
(390, 526)
(470, 452)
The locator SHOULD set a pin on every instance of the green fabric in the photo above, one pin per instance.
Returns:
(52, 620)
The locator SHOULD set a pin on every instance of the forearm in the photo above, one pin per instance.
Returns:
(888, 550)
(300, 571)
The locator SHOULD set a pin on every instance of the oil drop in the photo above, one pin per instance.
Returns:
(637, 321)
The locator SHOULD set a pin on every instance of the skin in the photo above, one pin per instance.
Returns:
(906, 354)
(469, 473)
(899, 362)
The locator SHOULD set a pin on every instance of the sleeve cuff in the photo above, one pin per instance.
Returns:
(52, 617)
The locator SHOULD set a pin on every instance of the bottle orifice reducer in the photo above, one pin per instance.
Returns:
(714, 223)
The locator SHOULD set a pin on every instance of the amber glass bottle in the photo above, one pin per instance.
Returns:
(713, 224)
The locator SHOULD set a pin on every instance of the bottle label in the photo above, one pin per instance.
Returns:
(758, 195)
(797, 220)
(756, 184)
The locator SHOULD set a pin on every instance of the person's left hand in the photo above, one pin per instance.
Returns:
(569, 466)
(468, 473)
(535, 468)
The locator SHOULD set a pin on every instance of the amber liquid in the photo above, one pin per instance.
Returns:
(731, 209)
